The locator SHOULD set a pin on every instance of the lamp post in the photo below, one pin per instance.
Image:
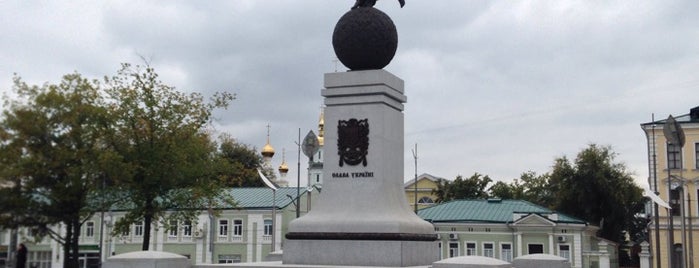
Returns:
(274, 207)
(298, 176)
(415, 184)
(311, 145)
(655, 190)
(674, 135)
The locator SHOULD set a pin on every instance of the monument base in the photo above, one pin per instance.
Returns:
(360, 252)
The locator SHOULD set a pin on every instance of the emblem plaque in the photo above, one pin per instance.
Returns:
(353, 141)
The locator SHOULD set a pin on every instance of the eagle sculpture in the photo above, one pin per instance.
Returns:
(371, 3)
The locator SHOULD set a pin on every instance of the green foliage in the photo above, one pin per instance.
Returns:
(503, 190)
(537, 188)
(599, 190)
(470, 188)
(167, 159)
(242, 162)
(51, 157)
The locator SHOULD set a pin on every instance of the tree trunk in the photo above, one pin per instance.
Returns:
(66, 244)
(70, 245)
(74, 244)
(147, 220)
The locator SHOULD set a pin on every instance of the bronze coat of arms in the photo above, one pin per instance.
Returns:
(353, 141)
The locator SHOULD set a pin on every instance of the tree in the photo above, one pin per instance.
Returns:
(51, 158)
(599, 190)
(470, 188)
(166, 153)
(530, 187)
(242, 163)
(538, 189)
(503, 190)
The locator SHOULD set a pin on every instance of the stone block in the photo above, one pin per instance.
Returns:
(360, 253)
(472, 262)
(540, 260)
(147, 259)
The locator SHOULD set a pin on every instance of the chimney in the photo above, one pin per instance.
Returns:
(694, 114)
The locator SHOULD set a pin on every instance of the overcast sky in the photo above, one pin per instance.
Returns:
(494, 87)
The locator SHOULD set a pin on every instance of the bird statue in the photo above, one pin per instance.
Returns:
(371, 3)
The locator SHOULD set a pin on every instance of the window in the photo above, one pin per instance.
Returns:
(173, 229)
(3, 258)
(41, 259)
(90, 229)
(222, 228)
(425, 200)
(187, 229)
(470, 249)
(675, 202)
(696, 155)
(535, 248)
(441, 254)
(564, 251)
(138, 229)
(268, 227)
(488, 250)
(89, 259)
(237, 227)
(506, 252)
(229, 258)
(453, 249)
(673, 157)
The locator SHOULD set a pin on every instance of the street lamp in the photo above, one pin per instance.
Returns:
(311, 146)
(274, 207)
(674, 135)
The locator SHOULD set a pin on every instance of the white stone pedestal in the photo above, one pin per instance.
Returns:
(147, 259)
(540, 260)
(472, 262)
(362, 216)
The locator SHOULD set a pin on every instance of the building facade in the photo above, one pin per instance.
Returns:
(507, 229)
(244, 233)
(423, 194)
(674, 177)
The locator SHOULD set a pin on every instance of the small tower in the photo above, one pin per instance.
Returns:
(315, 164)
(267, 152)
(283, 170)
(321, 128)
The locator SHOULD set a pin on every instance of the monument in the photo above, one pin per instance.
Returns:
(362, 217)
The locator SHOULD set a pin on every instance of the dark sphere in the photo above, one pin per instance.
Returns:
(365, 38)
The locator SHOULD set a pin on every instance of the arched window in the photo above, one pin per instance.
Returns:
(425, 200)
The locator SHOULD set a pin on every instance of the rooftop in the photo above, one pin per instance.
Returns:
(261, 197)
(488, 211)
(691, 117)
(251, 198)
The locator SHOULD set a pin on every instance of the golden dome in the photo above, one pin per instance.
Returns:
(283, 168)
(321, 128)
(268, 150)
